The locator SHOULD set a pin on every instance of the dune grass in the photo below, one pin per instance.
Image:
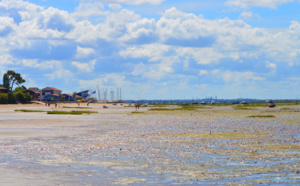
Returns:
(73, 112)
(29, 110)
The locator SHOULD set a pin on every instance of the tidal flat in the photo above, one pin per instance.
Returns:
(122, 146)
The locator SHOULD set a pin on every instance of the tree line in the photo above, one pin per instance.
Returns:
(11, 78)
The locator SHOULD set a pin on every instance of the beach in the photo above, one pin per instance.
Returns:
(121, 145)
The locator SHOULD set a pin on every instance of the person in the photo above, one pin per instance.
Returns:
(135, 106)
(78, 104)
(138, 106)
(88, 104)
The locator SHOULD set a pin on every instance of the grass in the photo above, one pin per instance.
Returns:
(261, 116)
(78, 107)
(285, 109)
(137, 112)
(243, 108)
(29, 110)
(73, 112)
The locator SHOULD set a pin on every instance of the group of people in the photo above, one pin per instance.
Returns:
(137, 106)
(49, 104)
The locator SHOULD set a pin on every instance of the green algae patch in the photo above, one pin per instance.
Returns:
(71, 113)
(290, 147)
(244, 108)
(29, 110)
(222, 135)
(261, 116)
(78, 107)
(137, 112)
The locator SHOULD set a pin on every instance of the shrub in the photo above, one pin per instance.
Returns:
(11, 98)
(23, 97)
(3, 98)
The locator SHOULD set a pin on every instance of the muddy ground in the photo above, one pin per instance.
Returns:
(211, 145)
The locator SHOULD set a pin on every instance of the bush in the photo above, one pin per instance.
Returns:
(23, 97)
(3, 98)
(27, 97)
(11, 98)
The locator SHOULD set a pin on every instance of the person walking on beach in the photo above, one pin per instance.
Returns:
(138, 105)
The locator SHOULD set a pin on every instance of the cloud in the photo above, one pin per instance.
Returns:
(271, 65)
(84, 52)
(85, 67)
(59, 72)
(6, 26)
(257, 3)
(203, 72)
(134, 2)
(88, 9)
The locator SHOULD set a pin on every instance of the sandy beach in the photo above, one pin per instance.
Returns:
(119, 145)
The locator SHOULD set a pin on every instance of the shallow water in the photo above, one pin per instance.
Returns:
(120, 148)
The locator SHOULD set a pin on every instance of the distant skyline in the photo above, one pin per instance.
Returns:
(155, 49)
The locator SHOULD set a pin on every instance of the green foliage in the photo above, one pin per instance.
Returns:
(3, 98)
(14, 78)
(20, 89)
(23, 97)
(11, 98)
(74, 95)
(6, 81)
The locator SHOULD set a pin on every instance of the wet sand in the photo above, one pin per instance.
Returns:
(218, 145)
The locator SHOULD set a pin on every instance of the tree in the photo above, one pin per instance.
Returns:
(74, 95)
(6, 81)
(13, 78)
(20, 89)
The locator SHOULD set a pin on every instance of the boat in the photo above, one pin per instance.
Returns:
(272, 105)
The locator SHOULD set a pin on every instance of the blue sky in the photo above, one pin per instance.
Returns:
(157, 49)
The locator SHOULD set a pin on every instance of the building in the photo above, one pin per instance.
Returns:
(34, 92)
(68, 97)
(83, 94)
(34, 89)
(49, 91)
(3, 90)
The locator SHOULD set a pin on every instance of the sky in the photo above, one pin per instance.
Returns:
(155, 49)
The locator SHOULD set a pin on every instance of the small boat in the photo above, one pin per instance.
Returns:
(272, 105)
(105, 106)
(203, 103)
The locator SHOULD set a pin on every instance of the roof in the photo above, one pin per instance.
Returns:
(33, 88)
(3, 88)
(83, 91)
(53, 89)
